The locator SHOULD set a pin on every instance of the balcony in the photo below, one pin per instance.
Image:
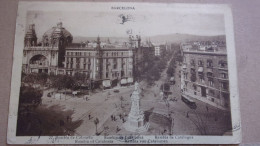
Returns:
(38, 66)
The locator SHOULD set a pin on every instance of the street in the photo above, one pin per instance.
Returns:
(185, 121)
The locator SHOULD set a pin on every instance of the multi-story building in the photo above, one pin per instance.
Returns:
(157, 51)
(205, 74)
(48, 55)
(101, 62)
(105, 63)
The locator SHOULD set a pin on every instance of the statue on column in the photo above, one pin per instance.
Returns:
(135, 121)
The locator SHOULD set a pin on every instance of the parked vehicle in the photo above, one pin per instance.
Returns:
(116, 91)
(188, 102)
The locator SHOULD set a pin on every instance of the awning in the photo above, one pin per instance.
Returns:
(200, 69)
(210, 70)
(130, 80)
(106, 83)
(123, 81)
(184, 66)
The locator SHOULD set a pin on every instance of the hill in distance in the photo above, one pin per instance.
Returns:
(169, 38)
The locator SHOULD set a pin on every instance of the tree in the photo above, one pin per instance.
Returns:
(96, 121)
(41, 78)
(30, 96)
(29, 79)
(80, 79)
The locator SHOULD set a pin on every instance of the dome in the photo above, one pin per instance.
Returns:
(57, 31)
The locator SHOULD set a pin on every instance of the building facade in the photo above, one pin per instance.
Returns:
(204, 74)
(101, 62)
(48, 55)
(157, 51)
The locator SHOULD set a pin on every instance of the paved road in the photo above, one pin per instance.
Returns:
(102, 106)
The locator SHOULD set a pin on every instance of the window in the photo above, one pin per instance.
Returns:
(77, 63)
(201, 77)
(106, 74)
(222, 64)
(224, 85)
(192, 62)
(209, 63)
(200, 63)
(211, 93)
(195, 89)
(192, 71)
(122, 73)
(210, 74)
(122, 63)
(224, 75)
(185, 75)
(211, 82)
(115, 63)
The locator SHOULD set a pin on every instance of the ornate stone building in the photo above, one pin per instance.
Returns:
(47, 56)
(102, 62)
(205, 74)
(105, 63)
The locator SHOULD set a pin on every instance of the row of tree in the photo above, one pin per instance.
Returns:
(176, 57)
(158, 64)
(56, 81)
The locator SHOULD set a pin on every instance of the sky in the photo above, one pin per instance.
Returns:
(108, 24)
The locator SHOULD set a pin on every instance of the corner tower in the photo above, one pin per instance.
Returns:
(30, 38)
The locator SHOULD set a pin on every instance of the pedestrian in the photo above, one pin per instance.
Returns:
(187, 115)
(89, 116)
(117, 129)
(111, 117)
(207, 108)
(120, 116)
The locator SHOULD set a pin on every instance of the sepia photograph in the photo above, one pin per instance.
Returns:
(104, 73)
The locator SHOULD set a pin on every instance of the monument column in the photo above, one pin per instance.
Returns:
(135, 121)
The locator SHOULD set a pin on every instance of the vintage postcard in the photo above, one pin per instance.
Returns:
(124, 73)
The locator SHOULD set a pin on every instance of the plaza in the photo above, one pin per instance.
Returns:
(177, 118)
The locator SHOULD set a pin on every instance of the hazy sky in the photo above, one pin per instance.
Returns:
(107, 24)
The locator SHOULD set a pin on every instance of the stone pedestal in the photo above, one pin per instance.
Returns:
(135, 121)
